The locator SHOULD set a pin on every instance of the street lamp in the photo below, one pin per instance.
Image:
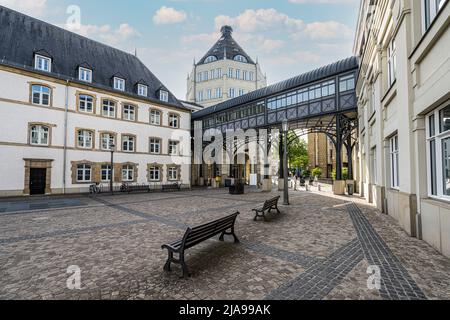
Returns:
(285, 129)
(111, 178)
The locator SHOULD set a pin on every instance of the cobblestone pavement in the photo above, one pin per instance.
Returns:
(320, 247)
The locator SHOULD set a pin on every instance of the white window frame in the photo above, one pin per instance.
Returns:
(173, 148)
(129, 112)
(43, 135)
(85, 139)
(154, 171)
(438, 137)
(174, 121)
(232, 93)
(155, 117)
(155, 144)
(83, 98)
(42, 63)
(392, 62)
(128, 143)
(142, 90)
(84, 169)
(119, 84)
(107, 140)
(85, 74)
(394, 162)
(111, 106)
(218, 93)
(209, 94)
(170, 172)
(107, 172)
(164, 95)
(41, 93)
(430, 10)
(126, 170)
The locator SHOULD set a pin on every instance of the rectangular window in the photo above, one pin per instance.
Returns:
(129, 112)
(108, 141)
(85, 74)
(392, 63)
(164, 96)
(155, 146)
(218, 93)
(128, 173)
(173, 148)
(128, 143)
(109, 109)
(238, 74)
(173, 174)
(84, 173)
(40, 95)
(86, 103)
(374, 167)
(431, 10)
(347, 83)
(155, 117)
(155, 174)
(106, 173)
(209, 94)
(200, 96)
(119, 84)
(231, 93)
(205, 76)
(39, 135)
(43, 63)
(444, 123)
(219, 73)
(394, 162)
(85, 139)
(230, 72)
(446, 166)
(174, 121)
(142, 90)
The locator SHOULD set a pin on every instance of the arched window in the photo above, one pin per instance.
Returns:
(240, 58)
(210, 59)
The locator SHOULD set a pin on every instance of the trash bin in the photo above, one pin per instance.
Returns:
(350, 189)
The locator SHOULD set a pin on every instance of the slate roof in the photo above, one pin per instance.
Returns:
(22, 36)
(330, 70)
(226, 45)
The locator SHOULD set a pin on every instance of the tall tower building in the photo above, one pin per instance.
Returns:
(225, 72)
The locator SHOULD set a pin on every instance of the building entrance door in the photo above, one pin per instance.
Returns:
(37, 181)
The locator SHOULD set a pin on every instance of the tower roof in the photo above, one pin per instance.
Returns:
(226, 47)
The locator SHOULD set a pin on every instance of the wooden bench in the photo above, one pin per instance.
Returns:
(197, 235)
(171, 187)
(135, 188)
(269, 205)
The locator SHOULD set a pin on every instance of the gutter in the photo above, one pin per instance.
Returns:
(66, 112)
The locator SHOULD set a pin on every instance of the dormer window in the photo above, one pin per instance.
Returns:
(164, 96)
(210, 59)
(142, 90)
(119, 84)
(240, 58)
(85, 74)
(42, 63)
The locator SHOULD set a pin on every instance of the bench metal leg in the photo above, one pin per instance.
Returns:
(232, 233)
(170, 259)
(186, 273)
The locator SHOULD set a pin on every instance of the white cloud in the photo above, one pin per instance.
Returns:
(323, 1)
(106, 33)
(36, 7)
(167, 15)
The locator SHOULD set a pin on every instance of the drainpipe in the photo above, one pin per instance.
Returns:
(66, 112)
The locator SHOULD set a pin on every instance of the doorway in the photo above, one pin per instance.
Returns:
(38, 181)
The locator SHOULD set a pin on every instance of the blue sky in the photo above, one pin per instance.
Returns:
(289, 37)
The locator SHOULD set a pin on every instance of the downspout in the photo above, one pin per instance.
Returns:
(66, 112)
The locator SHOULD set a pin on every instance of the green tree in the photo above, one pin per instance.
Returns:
(297, 152)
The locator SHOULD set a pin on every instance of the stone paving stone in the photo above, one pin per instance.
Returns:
(396, 283)
(117, 241)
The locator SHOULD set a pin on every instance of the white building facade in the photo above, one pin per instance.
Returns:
(404, 109)
(64, 108)
(225, 72)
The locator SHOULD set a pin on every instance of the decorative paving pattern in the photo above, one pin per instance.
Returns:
(13, 206)
(319, 280)
(396, 283)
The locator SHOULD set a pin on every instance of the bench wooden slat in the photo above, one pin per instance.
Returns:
(269, 205)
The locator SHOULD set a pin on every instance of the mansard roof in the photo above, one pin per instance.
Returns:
(322, 73)
(227, 47)
(22, 36)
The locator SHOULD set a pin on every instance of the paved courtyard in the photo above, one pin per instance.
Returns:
(319, 248)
